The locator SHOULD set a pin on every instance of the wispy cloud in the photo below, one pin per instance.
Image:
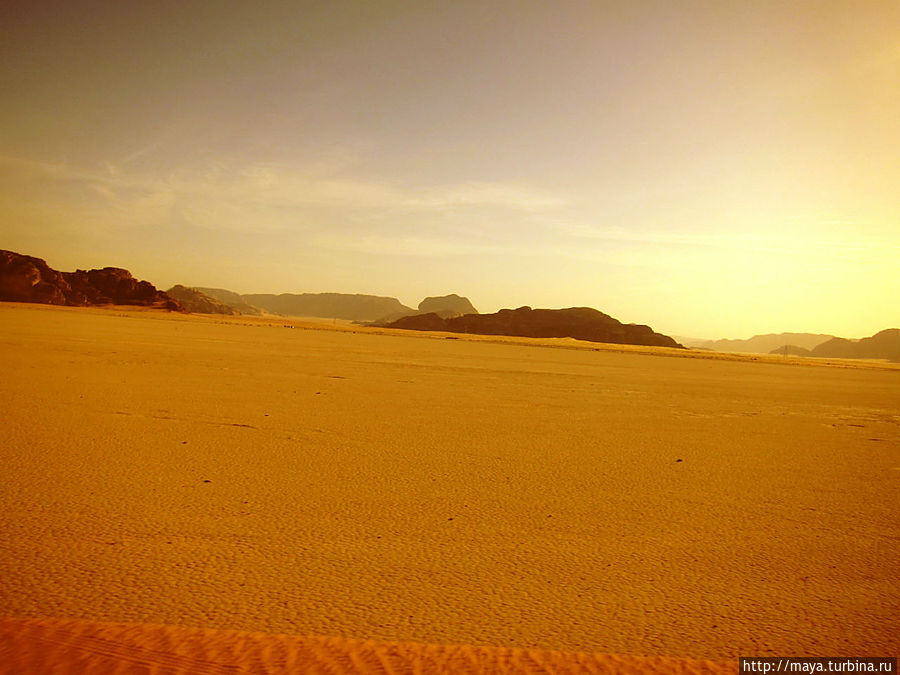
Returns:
(329, 211)
(487, 194)
(771, 240)
(268, 198)
(407, 245)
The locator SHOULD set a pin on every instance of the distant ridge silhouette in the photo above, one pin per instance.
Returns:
(445, 306)
(230, 298)
(883, 345)
(356, 307)
(194, 300)
(581, 323)
(761, 344)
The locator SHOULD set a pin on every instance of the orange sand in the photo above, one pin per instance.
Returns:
(348, 482)
(90, 648)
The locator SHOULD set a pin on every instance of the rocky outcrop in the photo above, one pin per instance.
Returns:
(24, 278)
(328, 305)
(447, 306)
(232, 299)
(581, 323)
(27, 279)
(112, 286)
(198, 302)
(444, 306)
(883, 345)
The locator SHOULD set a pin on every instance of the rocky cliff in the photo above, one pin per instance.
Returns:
(25, 278)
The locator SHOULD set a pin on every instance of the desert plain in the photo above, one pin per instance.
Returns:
(316, 479)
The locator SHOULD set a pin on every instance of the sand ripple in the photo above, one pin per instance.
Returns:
(63, 646)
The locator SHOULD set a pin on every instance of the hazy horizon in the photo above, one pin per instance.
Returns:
(713, 170)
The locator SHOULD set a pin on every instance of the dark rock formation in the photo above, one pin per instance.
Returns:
(24, 278)
(447, 306)
(111, 285)
(582, 323)
(27, 279)
(792, 350)
(328, 305)
(883, 345)
(232, 299)
(194, 300)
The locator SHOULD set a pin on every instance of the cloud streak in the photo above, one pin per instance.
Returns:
(344, 213)
(264, 198)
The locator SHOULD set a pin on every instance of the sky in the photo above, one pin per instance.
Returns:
(712, 169)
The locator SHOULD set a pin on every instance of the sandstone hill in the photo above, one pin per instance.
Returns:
(883, 345)
(445, 306)
(581, 323)
(761, 344)
(194, 300)
(25, 278)
(327, 305)
(230, 298)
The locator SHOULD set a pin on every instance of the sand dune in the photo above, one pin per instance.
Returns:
(364, 484)
(91, 648)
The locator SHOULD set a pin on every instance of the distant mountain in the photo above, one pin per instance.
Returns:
(24, 278)
(762, 344)
(791, 350)
(196, 301)
(581, 323)
(840, 348)
(328, 305)
(230, 298)
(445, 306)
(883, 345)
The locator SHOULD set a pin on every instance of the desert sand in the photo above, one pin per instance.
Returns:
(367, 486)
(84, 647)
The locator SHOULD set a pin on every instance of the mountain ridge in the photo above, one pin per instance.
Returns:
(194, 300)
(884, 344)
(353, 307)
(230, 298)
(580, 323)
(760, 344)
(445, 306)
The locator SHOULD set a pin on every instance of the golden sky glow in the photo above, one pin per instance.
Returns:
(714, 169)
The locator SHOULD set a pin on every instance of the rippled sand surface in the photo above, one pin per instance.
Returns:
(325, 480)
(79, 647)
